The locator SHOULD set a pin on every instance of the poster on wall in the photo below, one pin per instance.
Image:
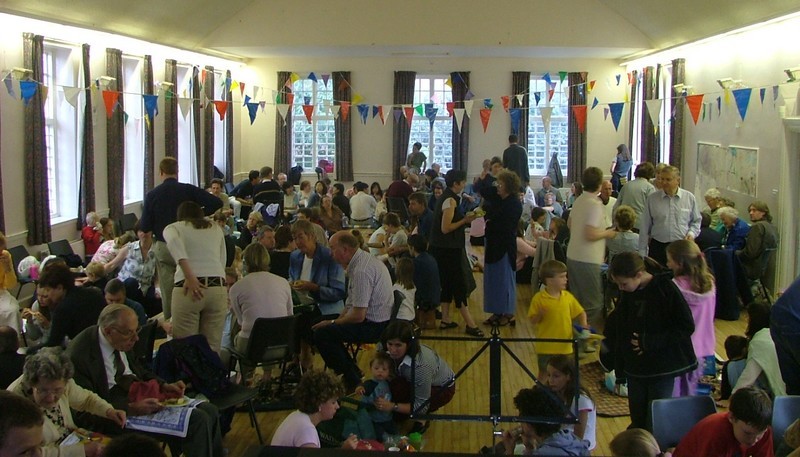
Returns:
(733, 168)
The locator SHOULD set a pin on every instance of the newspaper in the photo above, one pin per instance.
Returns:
(172, 420)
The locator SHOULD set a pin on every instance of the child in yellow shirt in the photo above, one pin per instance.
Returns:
(9, 308)
(552, 312)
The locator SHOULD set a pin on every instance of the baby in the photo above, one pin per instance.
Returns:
(381, 367)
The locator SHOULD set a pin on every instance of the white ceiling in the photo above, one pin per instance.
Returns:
(410, 28)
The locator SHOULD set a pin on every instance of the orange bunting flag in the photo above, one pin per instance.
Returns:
(290, 99)
(580, 117)
(343, 85)
(505, 100)
(591, 85)
(694, 102)
(486, 113)
(309, 110)
(203, 77)
(550, 94)
(222, 108)
(344, 110)
(450, 106)
(110, 98)
(409, 112)
(241, 90)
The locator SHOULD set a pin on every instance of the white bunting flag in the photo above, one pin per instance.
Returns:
(185, 105)
(283, 109)
(458, 113)
(71, 95)
(468, 107)
(546, 112)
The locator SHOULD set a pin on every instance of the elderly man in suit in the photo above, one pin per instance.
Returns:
(105, 365)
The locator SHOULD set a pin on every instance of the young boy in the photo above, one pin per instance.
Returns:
(736, 351)
(426, 280)
(397, 239)
(553, 311)
(378, 387)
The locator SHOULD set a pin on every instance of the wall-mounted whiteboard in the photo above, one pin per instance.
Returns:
(732, 168)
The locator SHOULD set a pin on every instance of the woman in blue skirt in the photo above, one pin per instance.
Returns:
(503, 210)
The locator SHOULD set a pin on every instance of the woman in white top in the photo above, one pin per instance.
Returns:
(259, 294)
(317, 398)
(761, 369)
(199, 299)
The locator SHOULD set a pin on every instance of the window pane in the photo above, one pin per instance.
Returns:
(437, 142)
(315, 141)
(187, 160)
(134, 128)
(543, 144)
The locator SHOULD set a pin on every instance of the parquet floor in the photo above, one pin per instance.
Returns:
(472, 396)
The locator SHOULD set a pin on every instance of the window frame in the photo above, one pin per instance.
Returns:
(440, 152)
(323, 125)
(560, 116)
(133, 188)
(187, 153)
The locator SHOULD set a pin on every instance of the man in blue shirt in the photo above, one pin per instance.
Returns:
(160, 209)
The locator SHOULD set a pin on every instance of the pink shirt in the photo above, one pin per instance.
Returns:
(702, 306)
(295, 431)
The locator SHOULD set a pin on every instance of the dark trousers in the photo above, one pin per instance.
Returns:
(641, 392)
(152, 305)
(787, 347)
(330, 341)
(403, 392)
(658, 251)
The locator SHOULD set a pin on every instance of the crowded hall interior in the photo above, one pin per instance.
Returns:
(246, 228)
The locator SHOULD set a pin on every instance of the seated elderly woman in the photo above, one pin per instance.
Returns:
(735, 234)
(317, 398)
(259, 294)
(47, 380)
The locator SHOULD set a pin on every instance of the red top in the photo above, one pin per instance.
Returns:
(713, 436)
(91, 240)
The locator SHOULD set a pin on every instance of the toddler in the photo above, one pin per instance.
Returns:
(381, 367)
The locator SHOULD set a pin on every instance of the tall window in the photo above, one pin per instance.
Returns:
(61, 132)
(639, 112)
(220, 132)
(132, 68)
(542, 144)
(437, 142)
(317, 140)
(665, 118)
(187, 157)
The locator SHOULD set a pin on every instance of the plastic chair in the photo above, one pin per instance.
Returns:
(673, 417)
(272, 342)
(60, 247)
(785, 410)
(17, 254)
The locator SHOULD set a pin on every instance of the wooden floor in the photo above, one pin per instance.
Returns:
(472, 388)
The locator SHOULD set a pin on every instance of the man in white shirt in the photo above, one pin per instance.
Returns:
(608, 203)
(362, 206)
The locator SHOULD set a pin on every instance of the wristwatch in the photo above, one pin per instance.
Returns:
(333, 321)
(395, 407)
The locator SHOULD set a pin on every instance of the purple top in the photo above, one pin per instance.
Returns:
(702, 306)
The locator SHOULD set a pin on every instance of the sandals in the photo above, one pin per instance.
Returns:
(447, 325)
(474, 331)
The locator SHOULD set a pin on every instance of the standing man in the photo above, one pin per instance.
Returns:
(587, 246)
(367, 310)
(160, 209)
(670, 214)
(267, 183)
(515, 158)
(417, 159)
(634, 194)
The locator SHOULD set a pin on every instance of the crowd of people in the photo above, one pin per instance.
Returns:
(364, 265)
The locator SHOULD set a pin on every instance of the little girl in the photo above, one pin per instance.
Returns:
(561, 377)
(696, 283)
(404, 271)
(651, 333)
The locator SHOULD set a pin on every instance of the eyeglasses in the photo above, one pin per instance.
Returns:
(127, 333)
(47, 392)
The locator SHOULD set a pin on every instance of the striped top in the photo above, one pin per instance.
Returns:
(370, 287)
(429, 370)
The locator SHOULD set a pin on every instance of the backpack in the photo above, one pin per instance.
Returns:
(191, 359)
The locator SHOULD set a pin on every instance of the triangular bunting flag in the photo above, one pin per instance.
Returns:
(505, 99)
(547, 79)
(363, 112)
(579, 111)
(45, 91)
(775, 93)
(263, 105)
(357, 98)
(71, 95)
(550, 94)
(343, 85)
(252, 110)
(430, 113)
(616, 113)
(594, 103)
(420, 109)
(654, 109)
(516, 116)
(591, 85)
(307, 100)
(561, 76)
(468, 107)
(546, 113)
(397, 112)
(246, 100)
(283, 109)
(290, 99)
(185, 105)
(110, 100)
(458, 114)
(719, 106)
(151, 105)
(233, 84)
(309, 111)
(221, 107)
(312, 76)
(742, 97)
(618, 79)
(335, 110)
(409, 113)
(761, 93)
(241, 89)
(486, 114)
(469, 95)
(325, 78)
(9, 85)
(375, 110)
(487, 103)
(383, 112)
(450, 106)
(125, 118)
(294, 77)
(449, 83)
(344, 110)
(605, 113)
(520, 99)
(28, 90)
(537, 96)
(694, 102)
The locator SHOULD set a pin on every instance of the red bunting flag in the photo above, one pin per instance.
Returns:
(110, 98)
(486, 113)
(241, 88)
(580, 117)
(289, 99)
(450, 106)
(380, 113)
(409, 111)
(309, 110)
(550, 94)
(222, 108)
(344, 110)
(203, 77)
(343, 85)
(505, 100)
(694, 102)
